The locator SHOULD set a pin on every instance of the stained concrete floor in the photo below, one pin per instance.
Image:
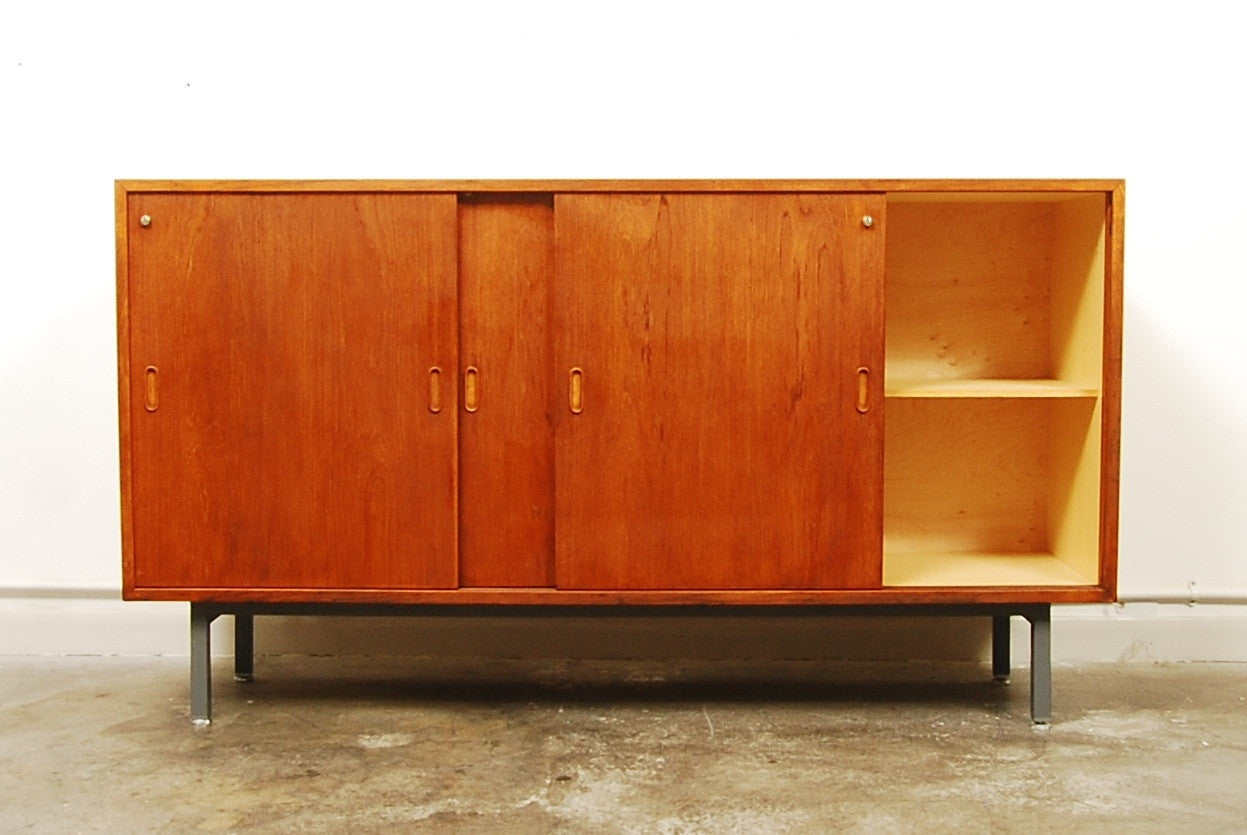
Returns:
(332, 744)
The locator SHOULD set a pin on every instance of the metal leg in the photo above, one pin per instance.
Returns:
(201, 664)
(244, 647)
(1000, 648)
(1041, 665)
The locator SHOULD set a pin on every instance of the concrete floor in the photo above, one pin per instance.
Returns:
(332, 744)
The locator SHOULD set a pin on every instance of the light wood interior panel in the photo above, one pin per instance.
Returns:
(994, 286)
(991, 492)
(506, 270)
(1074, 485)
(966, 475)
(1077, 296)
(968, 290)
(953, 570)
(986, 389)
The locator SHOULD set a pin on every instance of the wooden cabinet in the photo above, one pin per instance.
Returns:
(861, 393)
(778, 392)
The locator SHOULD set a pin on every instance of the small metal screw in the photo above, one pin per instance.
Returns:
(145, 221)
(868, 221)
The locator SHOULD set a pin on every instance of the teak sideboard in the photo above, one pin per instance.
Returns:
(391, 397)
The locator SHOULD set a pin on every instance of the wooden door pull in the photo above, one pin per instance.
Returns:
(151, 394)
(863, 390)
(575, 394)
(435, 389)
(471, 385)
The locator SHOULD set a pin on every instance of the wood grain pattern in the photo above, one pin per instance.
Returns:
(122, 227)
(979, 569)
(969, 289)
(1077, 296)
(635, 597)
(966, 476)
(195, 473)
(506, 270)
(1001, 298)
(720, 338)
(1074, 437)
(973, 482)
(293, 446)
(986, 388)
(991, 286)
(899, 187)
(1110, 444)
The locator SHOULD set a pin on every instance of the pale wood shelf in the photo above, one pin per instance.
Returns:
(979, 569)
(987, 388)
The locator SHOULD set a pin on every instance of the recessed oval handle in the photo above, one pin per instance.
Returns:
(863, 390)
(575, 391)
(435, 389)
(151, 395)
(471, 388)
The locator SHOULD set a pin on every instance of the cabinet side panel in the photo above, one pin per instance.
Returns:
(1110, 462)
(288, 341)
(506, 267)
(122, 221)
(719, 444)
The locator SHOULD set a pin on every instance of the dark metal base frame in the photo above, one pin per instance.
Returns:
(202, 614)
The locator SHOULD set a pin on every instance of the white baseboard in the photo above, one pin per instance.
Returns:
(89, 623)
(1149, 632)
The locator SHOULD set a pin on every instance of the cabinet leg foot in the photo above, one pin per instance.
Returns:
(1000, 648)
(244, 647)
(201, 664)
(1041, 664)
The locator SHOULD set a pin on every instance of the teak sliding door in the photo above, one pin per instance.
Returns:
(506, 456)
(723, 357)
(293, 396)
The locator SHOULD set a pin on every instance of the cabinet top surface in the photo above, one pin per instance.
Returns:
(486, 186)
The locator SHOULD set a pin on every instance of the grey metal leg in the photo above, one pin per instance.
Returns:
(1041, 665)
(201, 664)
(244, 647)
(1000, 647)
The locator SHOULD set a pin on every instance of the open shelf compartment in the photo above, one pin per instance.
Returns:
(992, 492)
(995, 295)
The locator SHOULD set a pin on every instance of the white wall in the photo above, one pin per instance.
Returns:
(1152, 93)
